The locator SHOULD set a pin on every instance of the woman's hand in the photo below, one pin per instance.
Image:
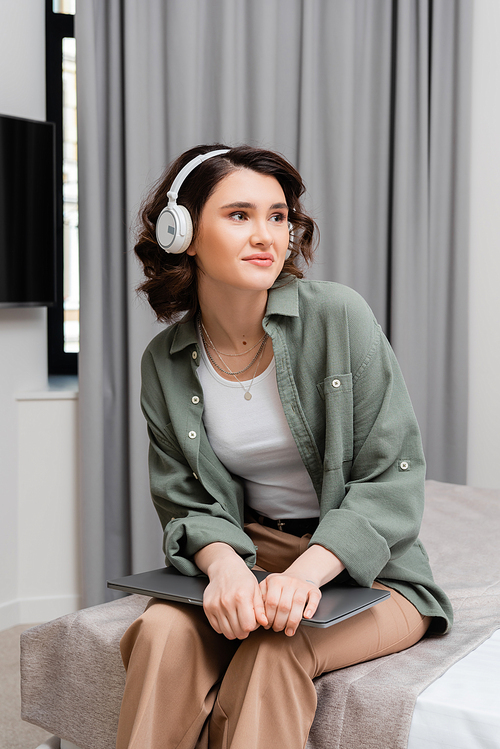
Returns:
(287, 600)
(232, 600)
(295, 593)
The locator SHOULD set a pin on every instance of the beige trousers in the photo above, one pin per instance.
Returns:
(188, 687)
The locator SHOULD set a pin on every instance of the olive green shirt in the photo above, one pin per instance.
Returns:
(349, 412)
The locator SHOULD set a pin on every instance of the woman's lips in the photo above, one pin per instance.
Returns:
(263, 260)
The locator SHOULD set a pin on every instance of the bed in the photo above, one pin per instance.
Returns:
(444, 692)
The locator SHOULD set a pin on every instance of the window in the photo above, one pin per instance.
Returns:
(71, 278)
(64, 6)
(63, 319)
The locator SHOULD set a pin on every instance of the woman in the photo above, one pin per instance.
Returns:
(281, 435)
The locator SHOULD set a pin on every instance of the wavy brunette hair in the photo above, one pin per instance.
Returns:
(171, 280)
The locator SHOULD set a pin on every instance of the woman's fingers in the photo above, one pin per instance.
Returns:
(226, 624)
(287, 600)
(234, 622)
(278, 601)
(259, 608)
(234, 608)
(232, 600)
(241, 616)
(312, 603)
(235, 605)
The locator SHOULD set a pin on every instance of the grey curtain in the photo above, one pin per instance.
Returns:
(370, 100)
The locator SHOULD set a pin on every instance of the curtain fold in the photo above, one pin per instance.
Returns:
(428, 322)
(370, 100)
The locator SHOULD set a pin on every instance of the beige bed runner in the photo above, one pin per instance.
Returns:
(371, 705)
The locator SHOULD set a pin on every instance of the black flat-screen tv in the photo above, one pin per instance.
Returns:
(27, 213)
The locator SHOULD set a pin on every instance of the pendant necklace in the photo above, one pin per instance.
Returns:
(257, 358)
(220, 353)
(247, 394)
(228, 371)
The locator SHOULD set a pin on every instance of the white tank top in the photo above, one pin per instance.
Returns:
(253, 440)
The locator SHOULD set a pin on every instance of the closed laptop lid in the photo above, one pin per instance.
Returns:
(337, 602)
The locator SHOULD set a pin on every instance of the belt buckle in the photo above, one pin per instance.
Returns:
(280, 524)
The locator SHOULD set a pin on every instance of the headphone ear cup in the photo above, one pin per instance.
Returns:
(174, 229)
(188, 223)
(174, 226)
(290, 240)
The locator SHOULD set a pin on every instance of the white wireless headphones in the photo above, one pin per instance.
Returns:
(290, 240)
(174, 227)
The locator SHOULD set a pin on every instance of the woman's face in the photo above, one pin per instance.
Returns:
(243, 233)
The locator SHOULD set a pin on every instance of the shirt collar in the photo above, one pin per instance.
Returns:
(283, 299)
(184, 335)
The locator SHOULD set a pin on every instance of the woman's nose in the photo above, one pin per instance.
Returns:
(261, 234)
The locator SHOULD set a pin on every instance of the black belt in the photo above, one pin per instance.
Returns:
(295, 526)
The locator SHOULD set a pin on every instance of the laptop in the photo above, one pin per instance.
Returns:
(338, 602)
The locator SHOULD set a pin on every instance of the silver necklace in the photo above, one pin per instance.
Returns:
(247, 394)
(220, 352)
(227, 371)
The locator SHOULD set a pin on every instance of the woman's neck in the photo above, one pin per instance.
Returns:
(234, 322)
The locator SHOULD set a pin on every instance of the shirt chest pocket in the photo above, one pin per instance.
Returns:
(336, 392)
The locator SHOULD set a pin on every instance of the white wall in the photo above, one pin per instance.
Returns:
(22, 58)
(31, 520)
(48, 553)
(24, 366)
(484, 310)
(22, 331)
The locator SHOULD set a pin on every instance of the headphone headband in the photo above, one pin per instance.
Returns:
(186, 170)
(174, 227)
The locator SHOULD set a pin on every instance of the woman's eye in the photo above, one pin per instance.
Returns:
(278, 218)
(238, 216)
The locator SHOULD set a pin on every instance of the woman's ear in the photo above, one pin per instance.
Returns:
(191, 250)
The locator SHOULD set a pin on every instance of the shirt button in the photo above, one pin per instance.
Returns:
(192, 435)
(404, 465)
(335, 383)
(196, 477)
(195, 399)
(194, 354)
